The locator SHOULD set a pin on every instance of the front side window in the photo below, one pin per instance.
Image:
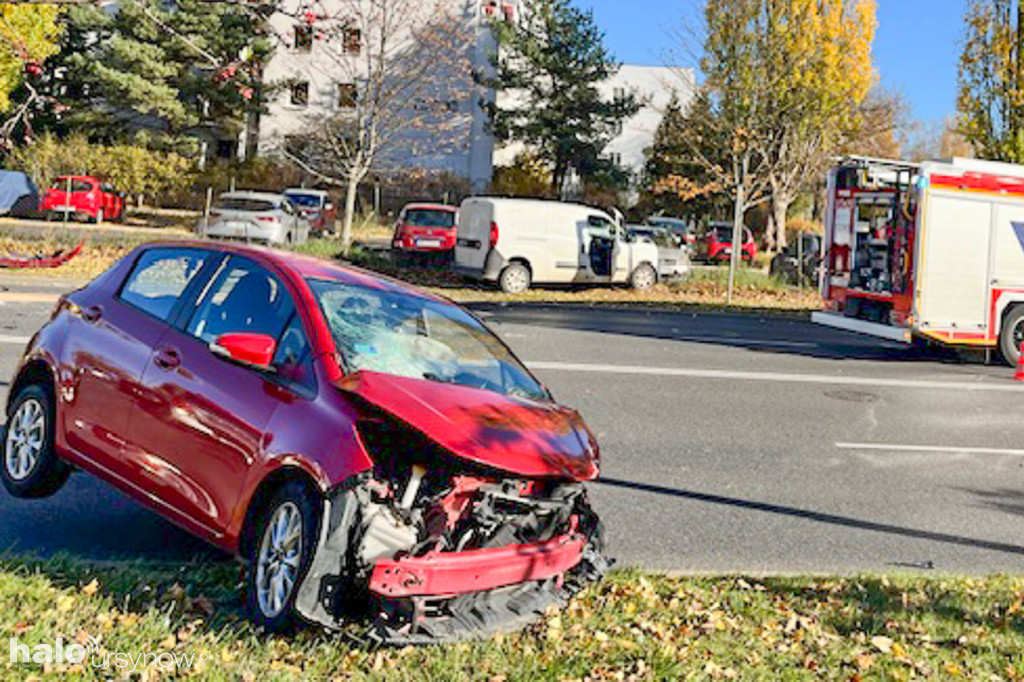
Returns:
(159, 278)
(408, 336)
(243, 298)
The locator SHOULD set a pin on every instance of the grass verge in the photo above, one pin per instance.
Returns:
(705, 288)
(633, 626)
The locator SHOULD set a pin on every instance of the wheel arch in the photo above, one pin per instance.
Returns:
(35, 371)
(265, 490)
(1007, 304)
(521, 260)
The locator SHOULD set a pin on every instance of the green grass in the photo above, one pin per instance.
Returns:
(632, 626)
(704, 289)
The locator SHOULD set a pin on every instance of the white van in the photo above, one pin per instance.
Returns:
(519, 242)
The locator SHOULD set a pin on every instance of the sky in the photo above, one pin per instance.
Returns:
(916, 48)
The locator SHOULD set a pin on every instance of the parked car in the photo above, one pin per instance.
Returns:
(786, 265)
(426, 229)
(717, 244)
(255, 217)
(678, 226)
(521, 242)
(673, 257)
(89, 199)
(18, 195)
(314, 207)
(361, 444)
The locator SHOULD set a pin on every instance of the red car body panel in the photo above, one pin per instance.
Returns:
(149, 408)
(719, 249)
(87, 197)
(443, 573)
(425, 239)
(519, 436)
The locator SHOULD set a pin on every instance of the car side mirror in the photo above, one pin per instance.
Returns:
(254, 350)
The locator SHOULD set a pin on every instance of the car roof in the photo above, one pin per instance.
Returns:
(431, 207)
(306, 190)
(303, 266)
(247, 194)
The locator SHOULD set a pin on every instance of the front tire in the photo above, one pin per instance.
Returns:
(515, 279)
(31, 467)
(1012, 335)
(643, 277)
(285, 541)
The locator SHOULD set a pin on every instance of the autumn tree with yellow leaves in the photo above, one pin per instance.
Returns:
(990, 98)
(818, 62)
(785, 83)
(29, 34)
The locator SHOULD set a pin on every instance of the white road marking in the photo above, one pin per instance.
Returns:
(826, 379)
(19, 340)
(888, 447)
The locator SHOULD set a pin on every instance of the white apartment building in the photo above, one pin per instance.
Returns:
(322, 85)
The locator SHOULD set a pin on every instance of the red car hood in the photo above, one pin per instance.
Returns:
(522, 437)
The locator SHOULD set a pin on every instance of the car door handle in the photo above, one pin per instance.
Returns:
(167, 358)
(92, 313)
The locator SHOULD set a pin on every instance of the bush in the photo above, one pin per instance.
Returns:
(142, 173)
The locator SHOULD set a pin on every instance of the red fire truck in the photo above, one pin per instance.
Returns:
(931, 251)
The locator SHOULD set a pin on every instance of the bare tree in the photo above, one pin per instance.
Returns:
(405, 89)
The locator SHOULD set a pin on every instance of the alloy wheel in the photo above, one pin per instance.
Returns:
(25, 436)
(277, 565)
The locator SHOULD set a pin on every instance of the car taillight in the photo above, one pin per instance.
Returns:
(494, 234)
(268, 219)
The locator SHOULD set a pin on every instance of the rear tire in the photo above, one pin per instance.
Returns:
(30, 465)
(643, 277)
(285, 539)
(1012, 335)
(515, 279)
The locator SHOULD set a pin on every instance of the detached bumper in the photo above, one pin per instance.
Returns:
(443, 573)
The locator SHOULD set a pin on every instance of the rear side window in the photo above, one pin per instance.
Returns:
(251, 205)
(159, 278)
(76, 185)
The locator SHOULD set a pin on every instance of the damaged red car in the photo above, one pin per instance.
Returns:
(365, 447)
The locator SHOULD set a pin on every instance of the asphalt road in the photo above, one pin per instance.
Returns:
(729, 443)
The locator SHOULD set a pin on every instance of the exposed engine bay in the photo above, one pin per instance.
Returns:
(435, 548)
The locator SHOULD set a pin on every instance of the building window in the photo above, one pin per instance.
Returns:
(226, 149)
(303, 38)
(300, 94)
(617, 128)
(346, 95)
(615, 158)
(352, 40)
(619, 94)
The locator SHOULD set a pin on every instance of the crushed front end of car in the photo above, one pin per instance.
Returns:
(435, 546)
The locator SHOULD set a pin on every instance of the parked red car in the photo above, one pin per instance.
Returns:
(89, 199)
(358, 442)
(718, 243)
(426, 228)
(315, 207)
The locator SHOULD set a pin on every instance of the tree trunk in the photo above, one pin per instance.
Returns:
(351, 191)
(740, 172)
(780, 207)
